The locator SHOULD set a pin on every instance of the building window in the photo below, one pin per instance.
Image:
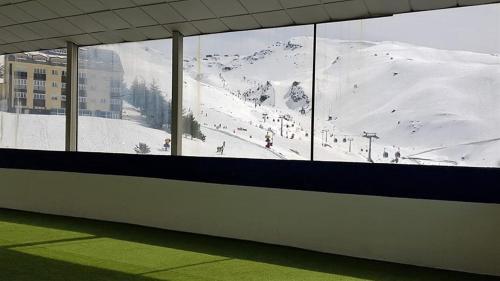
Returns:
(39, 96)
(55, 72)
(133, 89)
(39, 74)
(39, 83)
(38, 104)
(54, 84)
(416, 88)
(84, 112)
(249, 100)
(115, 90)
(27, 123)
(21, 95)
(39, 71)
(21, 75)
(20, 82)
(58, 111)
(20, 103)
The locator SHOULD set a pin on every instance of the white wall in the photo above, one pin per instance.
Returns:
(449, 235)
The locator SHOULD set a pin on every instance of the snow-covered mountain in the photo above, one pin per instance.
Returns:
(435, 106)
(249, 96)
(432, 106)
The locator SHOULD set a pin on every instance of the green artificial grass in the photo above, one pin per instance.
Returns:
(42, 247)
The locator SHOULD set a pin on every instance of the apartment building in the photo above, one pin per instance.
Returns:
(35, 83)
(100, 83)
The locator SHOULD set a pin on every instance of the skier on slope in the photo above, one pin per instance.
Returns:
(269, 141)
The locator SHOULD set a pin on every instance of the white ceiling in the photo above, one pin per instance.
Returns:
(27, 25)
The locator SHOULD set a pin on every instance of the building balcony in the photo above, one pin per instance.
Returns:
(40, 77)
(39, 97)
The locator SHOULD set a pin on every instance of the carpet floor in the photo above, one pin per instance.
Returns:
(44, 247)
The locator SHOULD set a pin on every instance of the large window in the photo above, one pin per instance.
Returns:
(248, 94)
(421, 88)
(125, 98)
(31, 114)
(418, 88)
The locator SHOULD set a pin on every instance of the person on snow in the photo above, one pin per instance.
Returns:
(269, 141)
(166, 145)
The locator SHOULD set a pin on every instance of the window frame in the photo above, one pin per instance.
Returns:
(457, 180)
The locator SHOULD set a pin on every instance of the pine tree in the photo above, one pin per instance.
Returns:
(138, 91)
(192, 127)
(134, 89)
(142, 148)
(157, 109)
(155, 114)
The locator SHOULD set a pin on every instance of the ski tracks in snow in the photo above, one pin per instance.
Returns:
(461, 144)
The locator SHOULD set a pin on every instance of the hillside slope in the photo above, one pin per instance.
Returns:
(432, 106)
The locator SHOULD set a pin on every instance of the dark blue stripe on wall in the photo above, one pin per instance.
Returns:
(406, 181)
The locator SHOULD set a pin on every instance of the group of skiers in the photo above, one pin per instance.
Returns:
(268, 140)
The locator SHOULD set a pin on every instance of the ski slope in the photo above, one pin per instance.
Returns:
(44, 132)
(438, 105)
(431, 106)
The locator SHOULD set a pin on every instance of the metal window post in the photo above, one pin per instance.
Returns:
(313, 100)
(177, 85)
(72, 97)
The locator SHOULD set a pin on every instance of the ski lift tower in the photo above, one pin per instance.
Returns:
(350, 143)
(281, 117)
(370, 137)
(324, 140)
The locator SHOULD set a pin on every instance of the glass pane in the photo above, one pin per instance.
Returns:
(124, 95)
(32, 107)
(420, 88)
(247, 94)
